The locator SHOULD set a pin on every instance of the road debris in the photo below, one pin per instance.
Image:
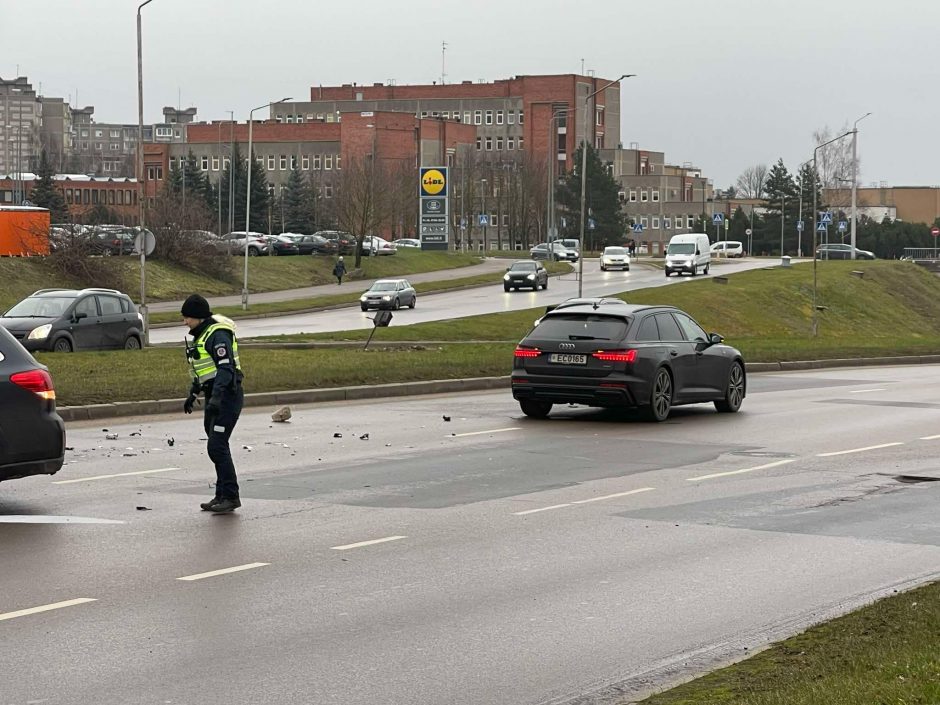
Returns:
(281, 415)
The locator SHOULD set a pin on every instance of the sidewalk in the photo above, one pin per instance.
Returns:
(492, 264)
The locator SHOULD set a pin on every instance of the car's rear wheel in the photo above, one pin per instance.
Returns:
(603, 268)
(535, 409)
(706, 269)
(253, 252)
(62, 345)
(734, 390)
(545, 285)
(660, 396)
(132, 343)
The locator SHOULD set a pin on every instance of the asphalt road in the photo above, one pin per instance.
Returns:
(468, 302)
(486, 559)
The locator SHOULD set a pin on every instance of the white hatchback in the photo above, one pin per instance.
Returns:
(615, 258)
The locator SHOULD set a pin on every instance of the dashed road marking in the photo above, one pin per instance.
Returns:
(929, 438)
(541, 509)
(46, 608)
(866, 391)
(223, 571)
(108, 477)
(858, 450)
(742, 471)
(613, 496)
(483, 433)
(373, 542)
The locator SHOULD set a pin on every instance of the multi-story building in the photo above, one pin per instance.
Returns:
(912, 204)
(82, 193)
(20, 116)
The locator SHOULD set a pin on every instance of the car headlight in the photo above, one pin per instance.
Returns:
(505, 277)
(530, 276)
(363, 297)
(386, 298)
(40, 333)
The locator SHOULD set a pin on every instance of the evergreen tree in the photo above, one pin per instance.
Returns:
(601, 199)
(781, 197)
(237, 170)
(46, 195)
(297, 216)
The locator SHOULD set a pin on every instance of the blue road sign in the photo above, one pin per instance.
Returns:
(826, 217)
(799, 225)
(591, 224)
(718, 218)
(842, 226)
(463, 223)
(637, 228)
(821, 228)
(484, 219)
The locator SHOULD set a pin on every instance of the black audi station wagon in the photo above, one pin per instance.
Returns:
(625, 355)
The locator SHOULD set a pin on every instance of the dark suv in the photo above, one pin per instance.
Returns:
(32, 435)
(63, 320)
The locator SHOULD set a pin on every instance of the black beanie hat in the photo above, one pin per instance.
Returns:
(196, 307)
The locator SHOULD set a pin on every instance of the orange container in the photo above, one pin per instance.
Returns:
(24, 231)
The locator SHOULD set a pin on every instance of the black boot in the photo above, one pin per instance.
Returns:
(207, 506)
(226, 504)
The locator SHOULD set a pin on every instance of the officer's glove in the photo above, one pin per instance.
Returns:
(214, 404)
(195, 388)
(188, 404)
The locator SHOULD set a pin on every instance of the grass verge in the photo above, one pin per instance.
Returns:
(883, 654)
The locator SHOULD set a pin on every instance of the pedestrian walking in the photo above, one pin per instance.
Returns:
(217, 374)
(339, 270)
(631, 245)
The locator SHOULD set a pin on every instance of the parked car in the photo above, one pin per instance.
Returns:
(525, 273)
(615, 258)
(375, 245)
(205, 238)
(257, 243)
(389, 293)
(345, 243)
(312, 244)
(625, 355)
(281, 245)
(728, 248)
(835, 250)
(64, 320)
(115, 240)
(407, 242)
(32, 435)
(555, 251)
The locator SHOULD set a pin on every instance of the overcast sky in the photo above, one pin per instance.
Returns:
(722, 84)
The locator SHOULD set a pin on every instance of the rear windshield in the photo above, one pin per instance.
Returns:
(580, 326)
(680, 248)
(523, 266)
(40, 306)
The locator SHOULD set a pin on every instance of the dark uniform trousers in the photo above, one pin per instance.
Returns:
(219, 429)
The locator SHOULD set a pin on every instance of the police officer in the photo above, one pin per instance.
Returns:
(218, 375)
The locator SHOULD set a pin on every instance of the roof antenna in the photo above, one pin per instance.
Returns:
(443, 50)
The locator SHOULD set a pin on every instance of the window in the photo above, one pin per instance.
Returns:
(116, 133)
(98, 133)
(489, 144)
(446, 115)
(177, 133)
(225, 162)
(309, 117)
(655, 222)
(499, 144)
(290, 119)
(87, 306)
(272, 162)
(99, 146)
(632, 195)
(84, 133)
(114, 146)
(648, 330)
(668, 328)
(644, 196)
(68, 195)
(155, 173)
(215, 163)
(94, 197)
(521, 118)
(505, 220)
(599, 116)
(692, 330)
(667, 224)
(293, 161)
(466, 116)
(479, 143)
(424, 113)
(328, 191)
(477, 117)
(120, 197)
(655, 195)
(86, 196)
(205, 163)
(644, 221)
(690, 222)
(317, 164)
(339, 160)
(510, 143)
(106, 166)
(282, 163)
(162, 132)
(305, 162)
(511, 117)
(499, 117)
(489, 117)
(328, 162)
(110, 305)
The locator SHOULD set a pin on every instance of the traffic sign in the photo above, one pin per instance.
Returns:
(717, 218)
(484, 219)
(826, 217)
(842, 226)
(821, 228)
(748, 231)
(799, 226)
(145, 241)
(637, 227)
(591, 224)
(935, 231)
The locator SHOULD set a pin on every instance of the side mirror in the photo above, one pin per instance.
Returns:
(697, 252)
(715, 339)
(79, 316)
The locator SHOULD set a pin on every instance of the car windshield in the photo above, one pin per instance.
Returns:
(680, 248)
(615, 251)
(383, 286)
(523, 267)
(40, 307)
(580, 326)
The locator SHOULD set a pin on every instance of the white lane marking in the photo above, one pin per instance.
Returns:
(857, 450)
(46, 608)
(742, 471)
(108, 477)
(482, 433)
(373, 542)
(45, 519)
(929, 438)
(540, 509)
(223, 571)
(865, 391)
(612, 496)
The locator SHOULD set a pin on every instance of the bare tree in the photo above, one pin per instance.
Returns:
(364, 199)
(834, 161)
(750, 184)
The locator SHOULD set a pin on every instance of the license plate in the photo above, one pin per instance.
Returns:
(568, 359)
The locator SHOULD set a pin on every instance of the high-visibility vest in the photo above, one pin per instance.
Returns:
(203, 364)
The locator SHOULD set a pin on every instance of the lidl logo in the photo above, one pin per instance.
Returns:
(434, 182)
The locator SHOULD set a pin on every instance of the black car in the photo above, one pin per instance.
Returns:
(625, 355)
(63, 320)
(344, 242)
(525, 273)
(836, 250)
(32, 435)
(281, 245)
(115, 240)
(312, 244)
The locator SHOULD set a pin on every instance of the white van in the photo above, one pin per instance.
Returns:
(688, 253)
(728, 248)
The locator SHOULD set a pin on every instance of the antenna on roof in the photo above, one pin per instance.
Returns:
(443, 51)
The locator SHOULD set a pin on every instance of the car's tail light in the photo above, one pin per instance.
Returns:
(526, 352)
(37, 381)
(616, 355)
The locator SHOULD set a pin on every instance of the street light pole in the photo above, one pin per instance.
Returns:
(855, 176)
(140, 173)
(584, 146)
(552, 158)
(251, 122)
(815, 207)
(483, 211)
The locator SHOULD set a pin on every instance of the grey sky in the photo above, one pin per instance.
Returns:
(723, 84)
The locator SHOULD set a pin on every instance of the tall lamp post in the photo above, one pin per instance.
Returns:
(815, 215)
(552, 158)
(584, 147)
(483, 211)
(251, 122)
(140, 173)
(855, 176)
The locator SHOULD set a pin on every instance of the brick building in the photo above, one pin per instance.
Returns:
(82, 193)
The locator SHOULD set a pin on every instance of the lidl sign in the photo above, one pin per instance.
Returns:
(433, 181)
